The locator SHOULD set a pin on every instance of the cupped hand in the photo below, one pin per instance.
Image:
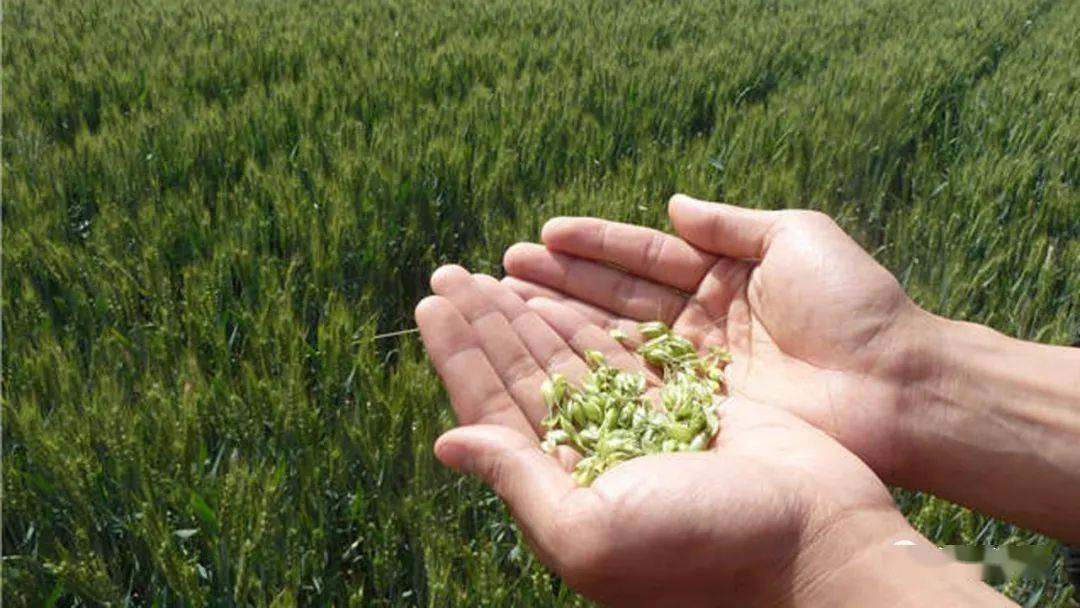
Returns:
(743, 523)
(814, 324)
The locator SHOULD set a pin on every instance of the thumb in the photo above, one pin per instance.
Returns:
(722, 229)
(531, 482)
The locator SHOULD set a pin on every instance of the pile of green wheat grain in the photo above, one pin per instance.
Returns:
(615, 415)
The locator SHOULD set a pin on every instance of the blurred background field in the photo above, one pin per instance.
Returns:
(211, 208)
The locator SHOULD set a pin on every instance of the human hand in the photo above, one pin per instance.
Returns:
(815, 325)
(775, 512)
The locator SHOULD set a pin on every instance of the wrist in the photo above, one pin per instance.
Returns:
(911, 373)
(991, 422)
(931, 382)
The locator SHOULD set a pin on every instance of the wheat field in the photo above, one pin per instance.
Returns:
(211, 210)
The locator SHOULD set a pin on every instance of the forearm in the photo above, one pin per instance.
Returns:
(994, 423)
(878, 559)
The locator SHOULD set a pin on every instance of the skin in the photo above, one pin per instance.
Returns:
(776, 513)
(814, 324)
(818, 328)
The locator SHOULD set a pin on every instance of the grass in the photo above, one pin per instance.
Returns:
(211, 209)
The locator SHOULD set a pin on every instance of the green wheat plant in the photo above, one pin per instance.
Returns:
(210, 210)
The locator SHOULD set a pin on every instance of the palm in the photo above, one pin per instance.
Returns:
(806, 313)
(661, 520)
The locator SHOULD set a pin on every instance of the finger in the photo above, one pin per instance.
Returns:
(512, 361)
(718, 314)
(723, 229)
(547, 347)
(528, 290)
(614, 290)
(535, 487)
(642, 251)
(583, 336)
(475, 390)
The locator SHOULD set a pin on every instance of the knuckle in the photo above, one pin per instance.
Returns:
(603, 235)
(496, 477)
(652, 253)
(559, 359)
(520, 366)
